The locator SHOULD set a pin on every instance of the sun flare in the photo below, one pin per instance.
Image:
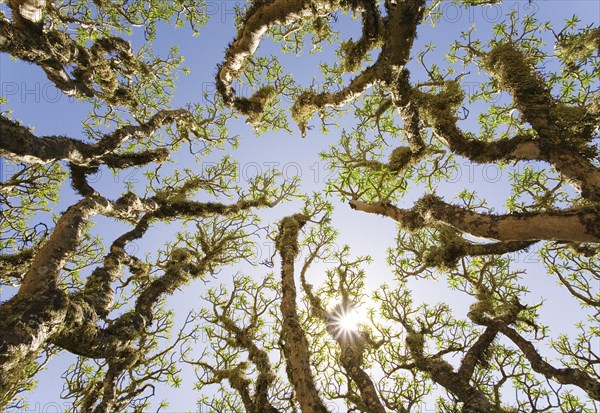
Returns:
(347, 321)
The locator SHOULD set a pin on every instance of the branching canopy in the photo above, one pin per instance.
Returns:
(295, 340)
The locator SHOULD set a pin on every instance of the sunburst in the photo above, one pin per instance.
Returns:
(346, 322)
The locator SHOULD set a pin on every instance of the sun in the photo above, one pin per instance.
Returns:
(347, 321)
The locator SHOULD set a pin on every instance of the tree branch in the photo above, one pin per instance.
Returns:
(54, 51)
(572, 376)
(20, 145)
(571, 225)
(295, 344)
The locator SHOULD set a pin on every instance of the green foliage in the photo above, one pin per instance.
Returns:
(453, 317)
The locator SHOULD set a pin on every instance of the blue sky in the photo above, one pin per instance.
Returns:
(37, 103)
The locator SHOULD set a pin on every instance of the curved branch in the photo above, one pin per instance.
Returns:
(295, 344)
(372, 35)
(477, 353)
(43, 272)
(20, 145)
(554, 143)
(399, 29)
(98, 292)
(96, 70)
(258, 19)
(309, 102)
(572, 376)
(443, 373)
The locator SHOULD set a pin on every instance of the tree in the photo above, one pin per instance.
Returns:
(57, 309)
(284, 343)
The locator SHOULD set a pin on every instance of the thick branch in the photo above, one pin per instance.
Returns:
(475, 401)
(170, 209)
(28, 14)
(477, 353)
(20, 145)
(258, 19)
(515, 73)
(177, 273)
(400, 33)
(580, 172)
(558, 149)
(54, 51)
(366, 387)
(453, 247)
(295, 344)
(309, 102)
(25, 327)
(571, 225)
(372, 36)
(52, 256)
